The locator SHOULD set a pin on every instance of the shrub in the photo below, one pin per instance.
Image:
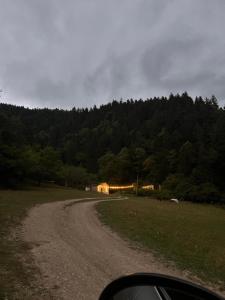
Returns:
(206, 192)
(181, 187)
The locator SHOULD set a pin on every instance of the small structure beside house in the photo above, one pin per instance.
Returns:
(91, 188)
(151, 187)
(148, 187)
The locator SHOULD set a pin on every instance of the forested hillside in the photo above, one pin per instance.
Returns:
(178, 142)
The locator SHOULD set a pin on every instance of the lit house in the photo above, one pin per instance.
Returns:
(105, 188)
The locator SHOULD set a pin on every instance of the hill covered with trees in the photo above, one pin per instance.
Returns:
(178, 142)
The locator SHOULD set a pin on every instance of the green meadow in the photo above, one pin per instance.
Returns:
(190, 235)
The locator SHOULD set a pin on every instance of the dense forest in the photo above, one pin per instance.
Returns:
(177, 142)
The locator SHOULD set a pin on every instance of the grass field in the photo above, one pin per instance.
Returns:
(14, 277)
(191, 235)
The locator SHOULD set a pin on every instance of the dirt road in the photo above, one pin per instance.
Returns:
(77, 255)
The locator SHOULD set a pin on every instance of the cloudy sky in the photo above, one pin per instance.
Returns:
(56, 53)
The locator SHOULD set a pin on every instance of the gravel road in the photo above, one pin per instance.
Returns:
(77, 255)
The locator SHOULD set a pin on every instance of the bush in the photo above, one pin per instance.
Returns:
(206, 192)
(182, 187)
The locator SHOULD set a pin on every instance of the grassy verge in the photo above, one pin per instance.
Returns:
(16, 280)
(191, 235)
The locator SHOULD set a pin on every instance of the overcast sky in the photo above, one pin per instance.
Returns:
(56, 53)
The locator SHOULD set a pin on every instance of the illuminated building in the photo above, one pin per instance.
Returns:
(105, 188)
(148, 187)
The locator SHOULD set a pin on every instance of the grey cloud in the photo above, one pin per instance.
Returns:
(85, 52)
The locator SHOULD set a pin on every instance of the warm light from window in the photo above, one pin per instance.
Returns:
(121, 187)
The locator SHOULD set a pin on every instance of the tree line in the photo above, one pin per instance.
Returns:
(176, 141)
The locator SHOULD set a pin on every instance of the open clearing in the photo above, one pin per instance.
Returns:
(66, 253)
(191, 235)
(77, 255)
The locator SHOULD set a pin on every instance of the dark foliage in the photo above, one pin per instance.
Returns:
(177, 142)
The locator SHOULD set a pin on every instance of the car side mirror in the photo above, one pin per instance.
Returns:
(155, 287)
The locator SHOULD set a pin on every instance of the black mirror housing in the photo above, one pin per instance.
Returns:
(165, 287)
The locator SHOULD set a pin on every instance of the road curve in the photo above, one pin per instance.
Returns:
(77, 255)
